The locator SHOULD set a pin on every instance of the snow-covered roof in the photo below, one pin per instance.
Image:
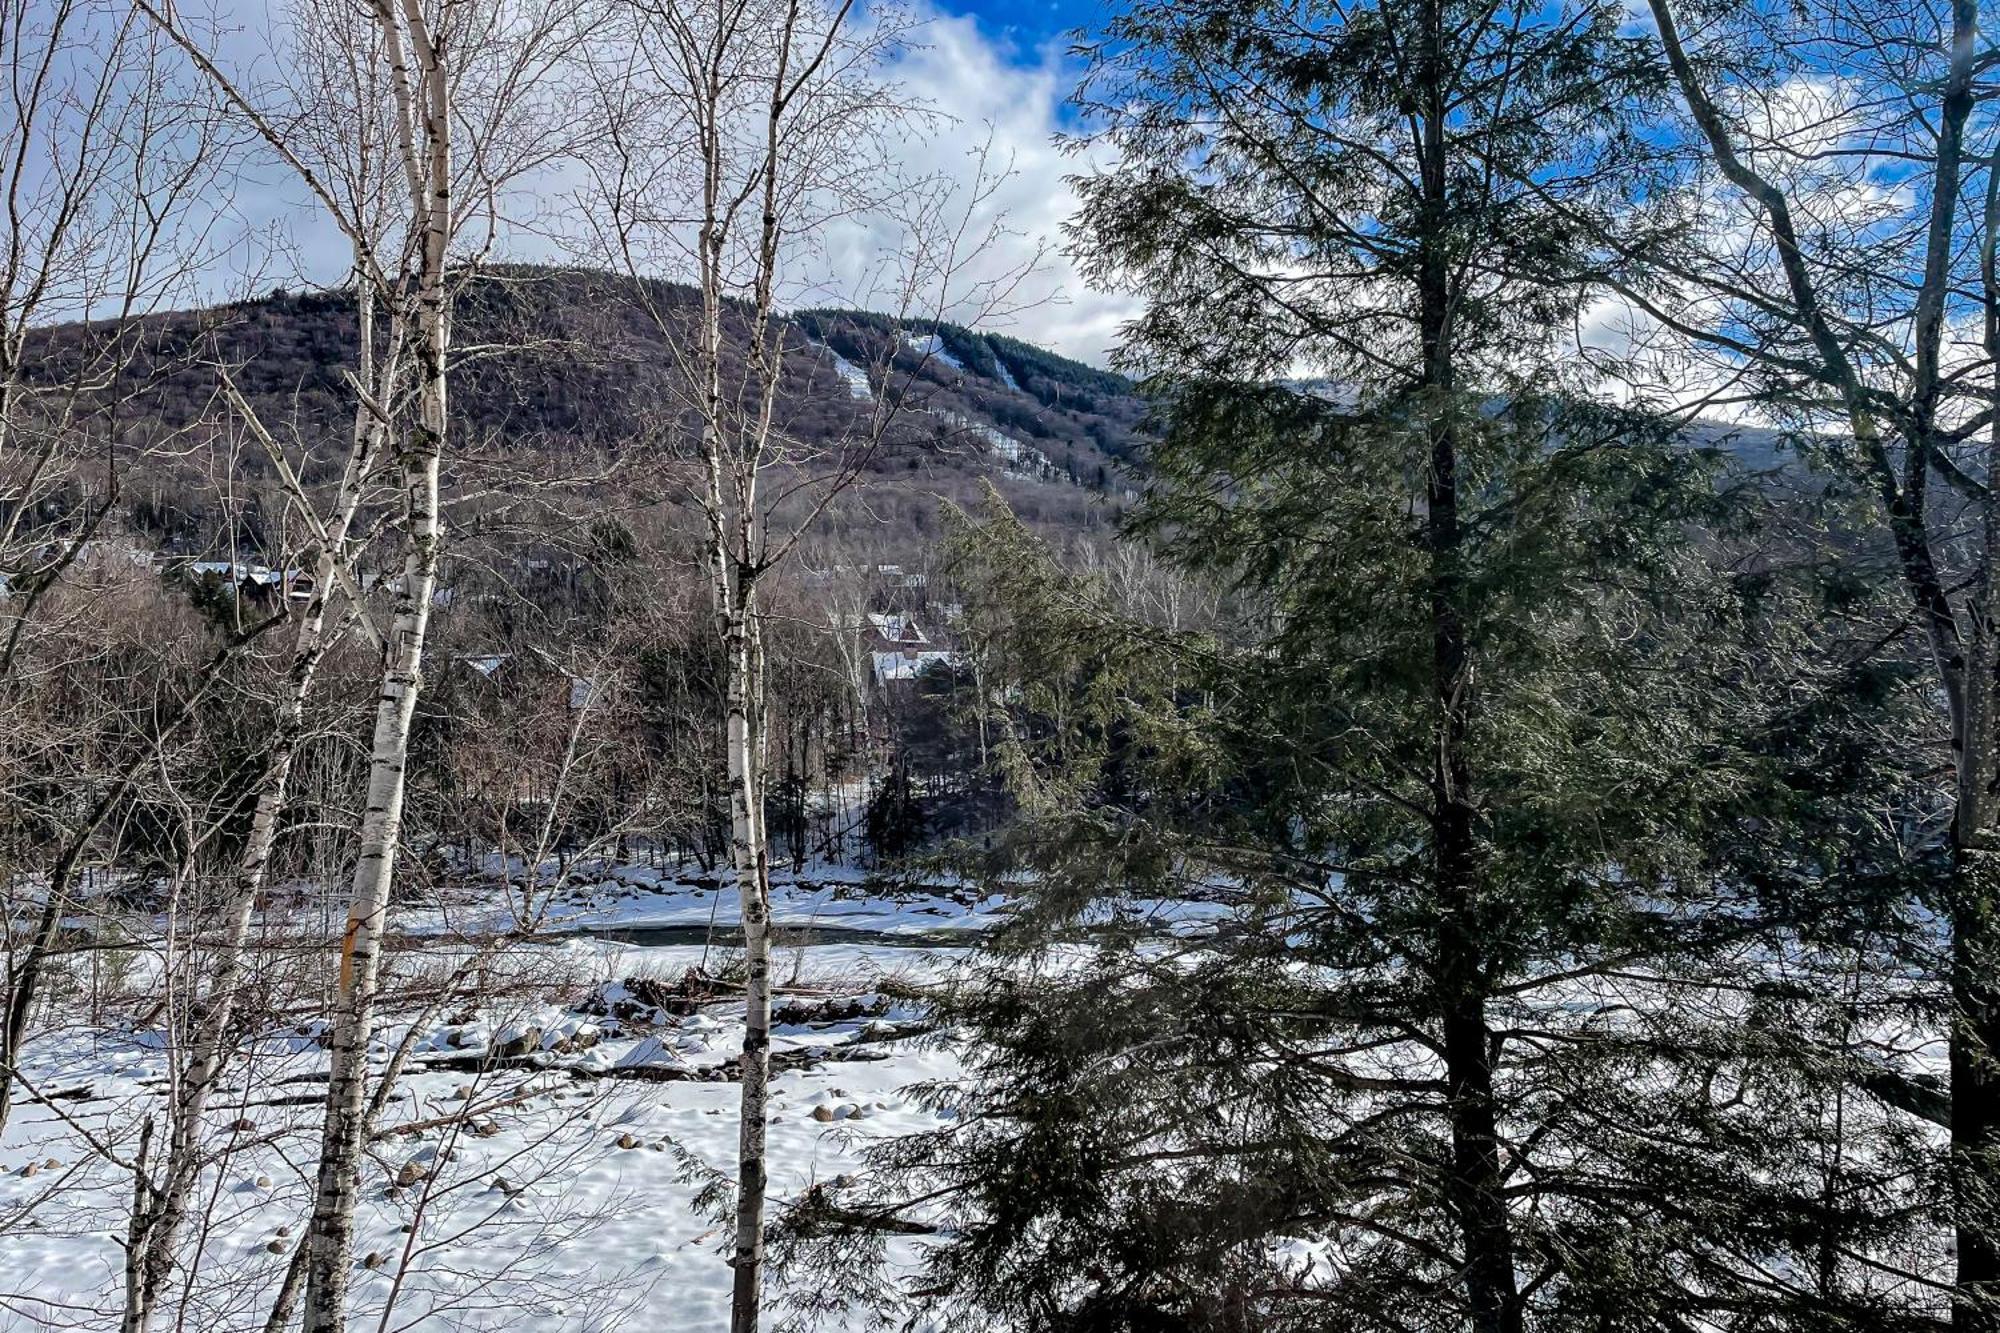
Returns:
(237, 571)
(897, 627)
(908, 665)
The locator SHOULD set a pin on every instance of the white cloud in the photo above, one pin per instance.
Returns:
(993, 97)
(984, 91)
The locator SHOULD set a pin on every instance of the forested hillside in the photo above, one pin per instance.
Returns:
(563, 372)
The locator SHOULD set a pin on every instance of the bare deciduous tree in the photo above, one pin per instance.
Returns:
(1780, 273)
(735, 135)
(104, 161)
(421, 117)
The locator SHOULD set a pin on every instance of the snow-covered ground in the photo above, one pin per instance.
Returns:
(565, 1102)
(551, 1188)
(823, 907)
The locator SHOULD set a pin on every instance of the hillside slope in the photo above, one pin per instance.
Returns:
(564, 365)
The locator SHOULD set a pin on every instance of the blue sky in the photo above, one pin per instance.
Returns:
(1028, 23)
(1002, 68)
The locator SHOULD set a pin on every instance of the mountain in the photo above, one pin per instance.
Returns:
(564, 371)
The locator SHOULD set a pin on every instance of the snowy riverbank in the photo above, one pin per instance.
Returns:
(561, 1107)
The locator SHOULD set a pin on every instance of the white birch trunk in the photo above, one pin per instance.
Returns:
(330, 1234)
(424, 115)
(160, 1211)
(751, 853)
(751, 196)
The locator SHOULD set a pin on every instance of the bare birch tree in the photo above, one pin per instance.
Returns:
(451, 104)
(736, 134)
(350, 151)
(104, 163)
(1785, 272)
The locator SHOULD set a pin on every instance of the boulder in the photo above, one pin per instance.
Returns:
(512, 1044)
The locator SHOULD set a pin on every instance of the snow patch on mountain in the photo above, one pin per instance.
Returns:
(1003, 445)
(1006, 375)
(856, 378)
(931, 345)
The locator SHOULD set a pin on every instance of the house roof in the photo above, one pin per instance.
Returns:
(897, 627)
(909, 665)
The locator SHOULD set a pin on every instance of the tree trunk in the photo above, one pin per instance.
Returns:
(750, 852)
(1474, 1185)
(1475, 1182)
(1975, 951)
(424, 109)
(1975, 1086)
(1975, 888)
(330, 1234)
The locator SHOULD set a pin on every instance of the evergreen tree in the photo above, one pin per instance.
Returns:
(1510, 843)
